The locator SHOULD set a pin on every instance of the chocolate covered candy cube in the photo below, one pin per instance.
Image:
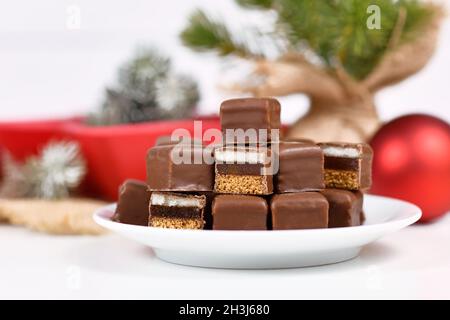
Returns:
(300, 167)
(303, 210)
(207, 216)
(362, 217)
(167, 140)
(345, 207)
(132, 206)
(347, 165)
(176, 210)
(243, 170)
(250, 113)
(292, 139)
(180, 168)
(239, 212)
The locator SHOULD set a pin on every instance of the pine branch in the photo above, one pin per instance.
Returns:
(335, 31)
(256, 4)
(312, 23)
(407, 58)
(362, 49)
(203, 34)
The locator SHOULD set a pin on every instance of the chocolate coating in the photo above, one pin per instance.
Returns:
(304, 140)
(303, 210)
(301, 166)
(132, 207)
(250, 113)
(207, 215)
(362, 218)
(345, 207)
(167, 140)
(239, 212)
(164, 175)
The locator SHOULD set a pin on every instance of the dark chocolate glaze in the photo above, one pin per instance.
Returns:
(240, 169)
(207, 215)
(239, 212)
(176, 212)
(302, 210)
(164, 175)
(132, 207)
(345, 207)
(301, 166)
(337, 163)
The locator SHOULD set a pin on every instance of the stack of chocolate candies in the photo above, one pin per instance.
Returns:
(256, 181)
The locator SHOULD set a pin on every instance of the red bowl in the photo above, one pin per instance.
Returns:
(113, 153)
(25, 138)
(116, 153)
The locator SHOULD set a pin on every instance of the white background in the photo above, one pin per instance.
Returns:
(49, 70)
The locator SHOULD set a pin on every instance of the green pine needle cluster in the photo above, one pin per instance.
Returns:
(204, 34)
(334, 30)
(257, 4)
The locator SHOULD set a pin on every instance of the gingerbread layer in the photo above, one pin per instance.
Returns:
(342, 179)
(243, 184)
(176, 223)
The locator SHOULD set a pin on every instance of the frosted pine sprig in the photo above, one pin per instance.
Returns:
(54, 173)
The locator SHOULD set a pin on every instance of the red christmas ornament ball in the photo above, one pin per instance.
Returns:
(1, 163)
(412, 162)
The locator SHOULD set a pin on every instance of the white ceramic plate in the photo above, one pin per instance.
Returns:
(268, 249)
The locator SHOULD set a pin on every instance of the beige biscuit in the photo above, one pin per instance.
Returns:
(66, 216)
(341, 179)
(176, 223)
(240, 184)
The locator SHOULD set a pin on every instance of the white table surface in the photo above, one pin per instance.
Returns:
(412, 263)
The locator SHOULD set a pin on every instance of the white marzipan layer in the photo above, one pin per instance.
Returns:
(230, 156)
(341, 152)
(168, 200)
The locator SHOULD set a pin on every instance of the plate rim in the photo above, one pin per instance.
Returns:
(397, 222)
